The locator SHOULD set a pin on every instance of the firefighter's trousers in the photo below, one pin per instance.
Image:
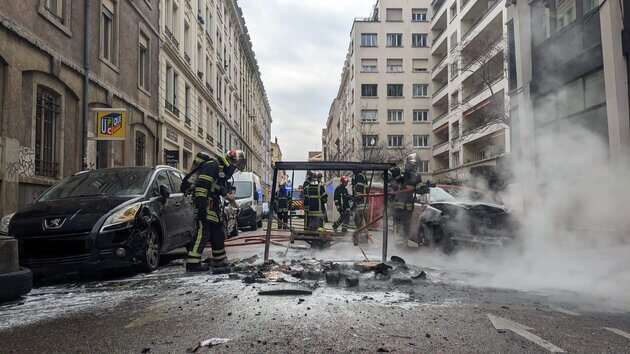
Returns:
(283, 217)
(207, 231)
(344, 219)
(402, 225)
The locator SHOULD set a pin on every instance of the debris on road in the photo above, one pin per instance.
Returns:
(208, 343)
(398, 260)
(352, 281)
(421, 275)
(332, 277)
(285, 291)
(402, 281)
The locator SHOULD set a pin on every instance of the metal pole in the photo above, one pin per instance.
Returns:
(385, 217)
(271, 211)
(86, 82)
(291, 204)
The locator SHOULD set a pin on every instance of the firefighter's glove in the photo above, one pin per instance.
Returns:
(201, 208)
(185, 187)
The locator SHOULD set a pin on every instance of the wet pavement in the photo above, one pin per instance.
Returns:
(173, 311)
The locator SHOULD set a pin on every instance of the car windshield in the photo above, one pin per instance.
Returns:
(243, 189)
(445, 194)
(297, 195)
(108, 182)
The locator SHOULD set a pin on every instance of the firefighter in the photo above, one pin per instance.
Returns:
(316, 198)
(210, 185)
(406, 182)
(282, 207)
(342, 202)
(307, 183)
(359, 202)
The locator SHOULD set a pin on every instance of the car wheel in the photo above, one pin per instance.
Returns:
(15, 284)
(425, 236)
(259, 224)
(151, 253)
(253, 224)
(234, 231)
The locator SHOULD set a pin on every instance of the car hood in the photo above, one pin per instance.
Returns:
(476, 205)
(78, 215)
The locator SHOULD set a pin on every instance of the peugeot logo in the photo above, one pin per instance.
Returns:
(54, 223)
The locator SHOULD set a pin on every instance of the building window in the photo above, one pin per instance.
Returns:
(141, 143)
(420, 90)
(368, 40)
(393, 15)
(420, 65)
(420, 115)
(512, 79)
(454, 40)
(420, 141)
(369, 115)
(369, 65)
(187, 42)
(453, 10)
(394, 140)
(589, 5)
(369, 90)
(370, 141)
(46, 116)
(394, 65)
(565, 13)
(58, 13)
(394, 116)
(109, 29)
(55, 8)
(143, 62)
(208, 72)
(394, 90)
(419, 15)
(394, 39)
(419, 40)
(172, 82)
(187, 112)
(423, 166)
(454, 70)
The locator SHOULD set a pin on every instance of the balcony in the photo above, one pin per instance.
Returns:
(436, 7)
(200, 131)
(187, 121)
(440, 148)
(171, 37)
(209, 87)
(440, 120)
(187, 58)
(482, 88)
(478, 20)
(439, 63)
(437, 37)
(439, 91)
(200, 20)
(209, 139)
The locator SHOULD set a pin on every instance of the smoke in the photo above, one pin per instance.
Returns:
(575, 226)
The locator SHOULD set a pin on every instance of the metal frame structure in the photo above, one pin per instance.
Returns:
(328, 166)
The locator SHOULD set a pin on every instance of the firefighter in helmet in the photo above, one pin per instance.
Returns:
(282, 206)
(360, 202)
(342, 203)
(316, 198)
(406, 181)
(210, 185)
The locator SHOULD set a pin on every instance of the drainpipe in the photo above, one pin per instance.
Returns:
(86, 81)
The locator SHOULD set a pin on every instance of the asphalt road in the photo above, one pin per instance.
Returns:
(172, 311)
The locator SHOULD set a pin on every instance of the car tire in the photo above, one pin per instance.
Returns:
(253, 224)
(150, 258)
(259, 224)
(15, 284)
(425, 236)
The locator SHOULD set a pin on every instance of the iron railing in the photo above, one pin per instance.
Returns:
(46, 168)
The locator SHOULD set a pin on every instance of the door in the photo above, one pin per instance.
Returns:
(167, 211)
(184, 215)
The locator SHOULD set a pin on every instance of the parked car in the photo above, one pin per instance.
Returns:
(454, 215)
(249, 199)
(103, 219)
(230, 214)
(265, 210)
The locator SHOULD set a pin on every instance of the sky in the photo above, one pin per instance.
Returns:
(301, 46)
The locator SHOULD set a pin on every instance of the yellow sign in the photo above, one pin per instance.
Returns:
(111, 124)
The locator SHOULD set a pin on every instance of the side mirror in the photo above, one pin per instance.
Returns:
(164, 193)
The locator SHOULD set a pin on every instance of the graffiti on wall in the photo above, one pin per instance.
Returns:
(24, 165)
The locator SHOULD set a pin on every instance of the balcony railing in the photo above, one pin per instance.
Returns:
(171, 107)
(200, 131)
(438, 120)
(437, 7)
(46, 168)
(187, 58)
(482, 88)
(439, 63)
(479, 20)
(187, 121)
(439, 35)
(171, 37)
(440, 90)
(209, 139)
(209, 87)
(439, 145)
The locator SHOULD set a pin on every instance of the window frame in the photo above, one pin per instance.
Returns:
(398, 136)
(146, 75)
(423, 138)
(369, 121)
(392, 87)
(364, 89)
(416, 114)
(41, 137)
(419, 11)
(369, 136)
(387, 13)
(63, 23)
(140, 137)
(373, 36)
(398, 116)
(414, 40)
(426, 90)
(399, 40)
(114, 40)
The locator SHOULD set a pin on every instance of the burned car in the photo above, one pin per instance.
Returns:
(230, 219)
(104, 218)
(450, 215)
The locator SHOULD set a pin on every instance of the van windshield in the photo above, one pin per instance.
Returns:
(243, 189)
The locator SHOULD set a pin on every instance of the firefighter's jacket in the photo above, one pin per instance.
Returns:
(316, 197)
(282, 202)
(210, 185)
(404, 186)
(359, 190)
(342, 197)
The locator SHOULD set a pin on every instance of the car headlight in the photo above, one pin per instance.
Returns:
(123, 215)
(4, 224)
(246, 204)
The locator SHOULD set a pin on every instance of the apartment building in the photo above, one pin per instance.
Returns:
(212, 97)
(382, 109)
(276, 155)
(469, 87)
(568, 67)
(59, 60)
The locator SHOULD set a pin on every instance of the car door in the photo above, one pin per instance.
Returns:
(167, 211)
(184, 214)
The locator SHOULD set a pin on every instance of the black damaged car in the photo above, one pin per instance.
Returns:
(104, 218)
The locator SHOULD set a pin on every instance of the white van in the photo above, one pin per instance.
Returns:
(249, 199)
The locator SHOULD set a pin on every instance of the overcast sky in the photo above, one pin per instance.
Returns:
(301, 46)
